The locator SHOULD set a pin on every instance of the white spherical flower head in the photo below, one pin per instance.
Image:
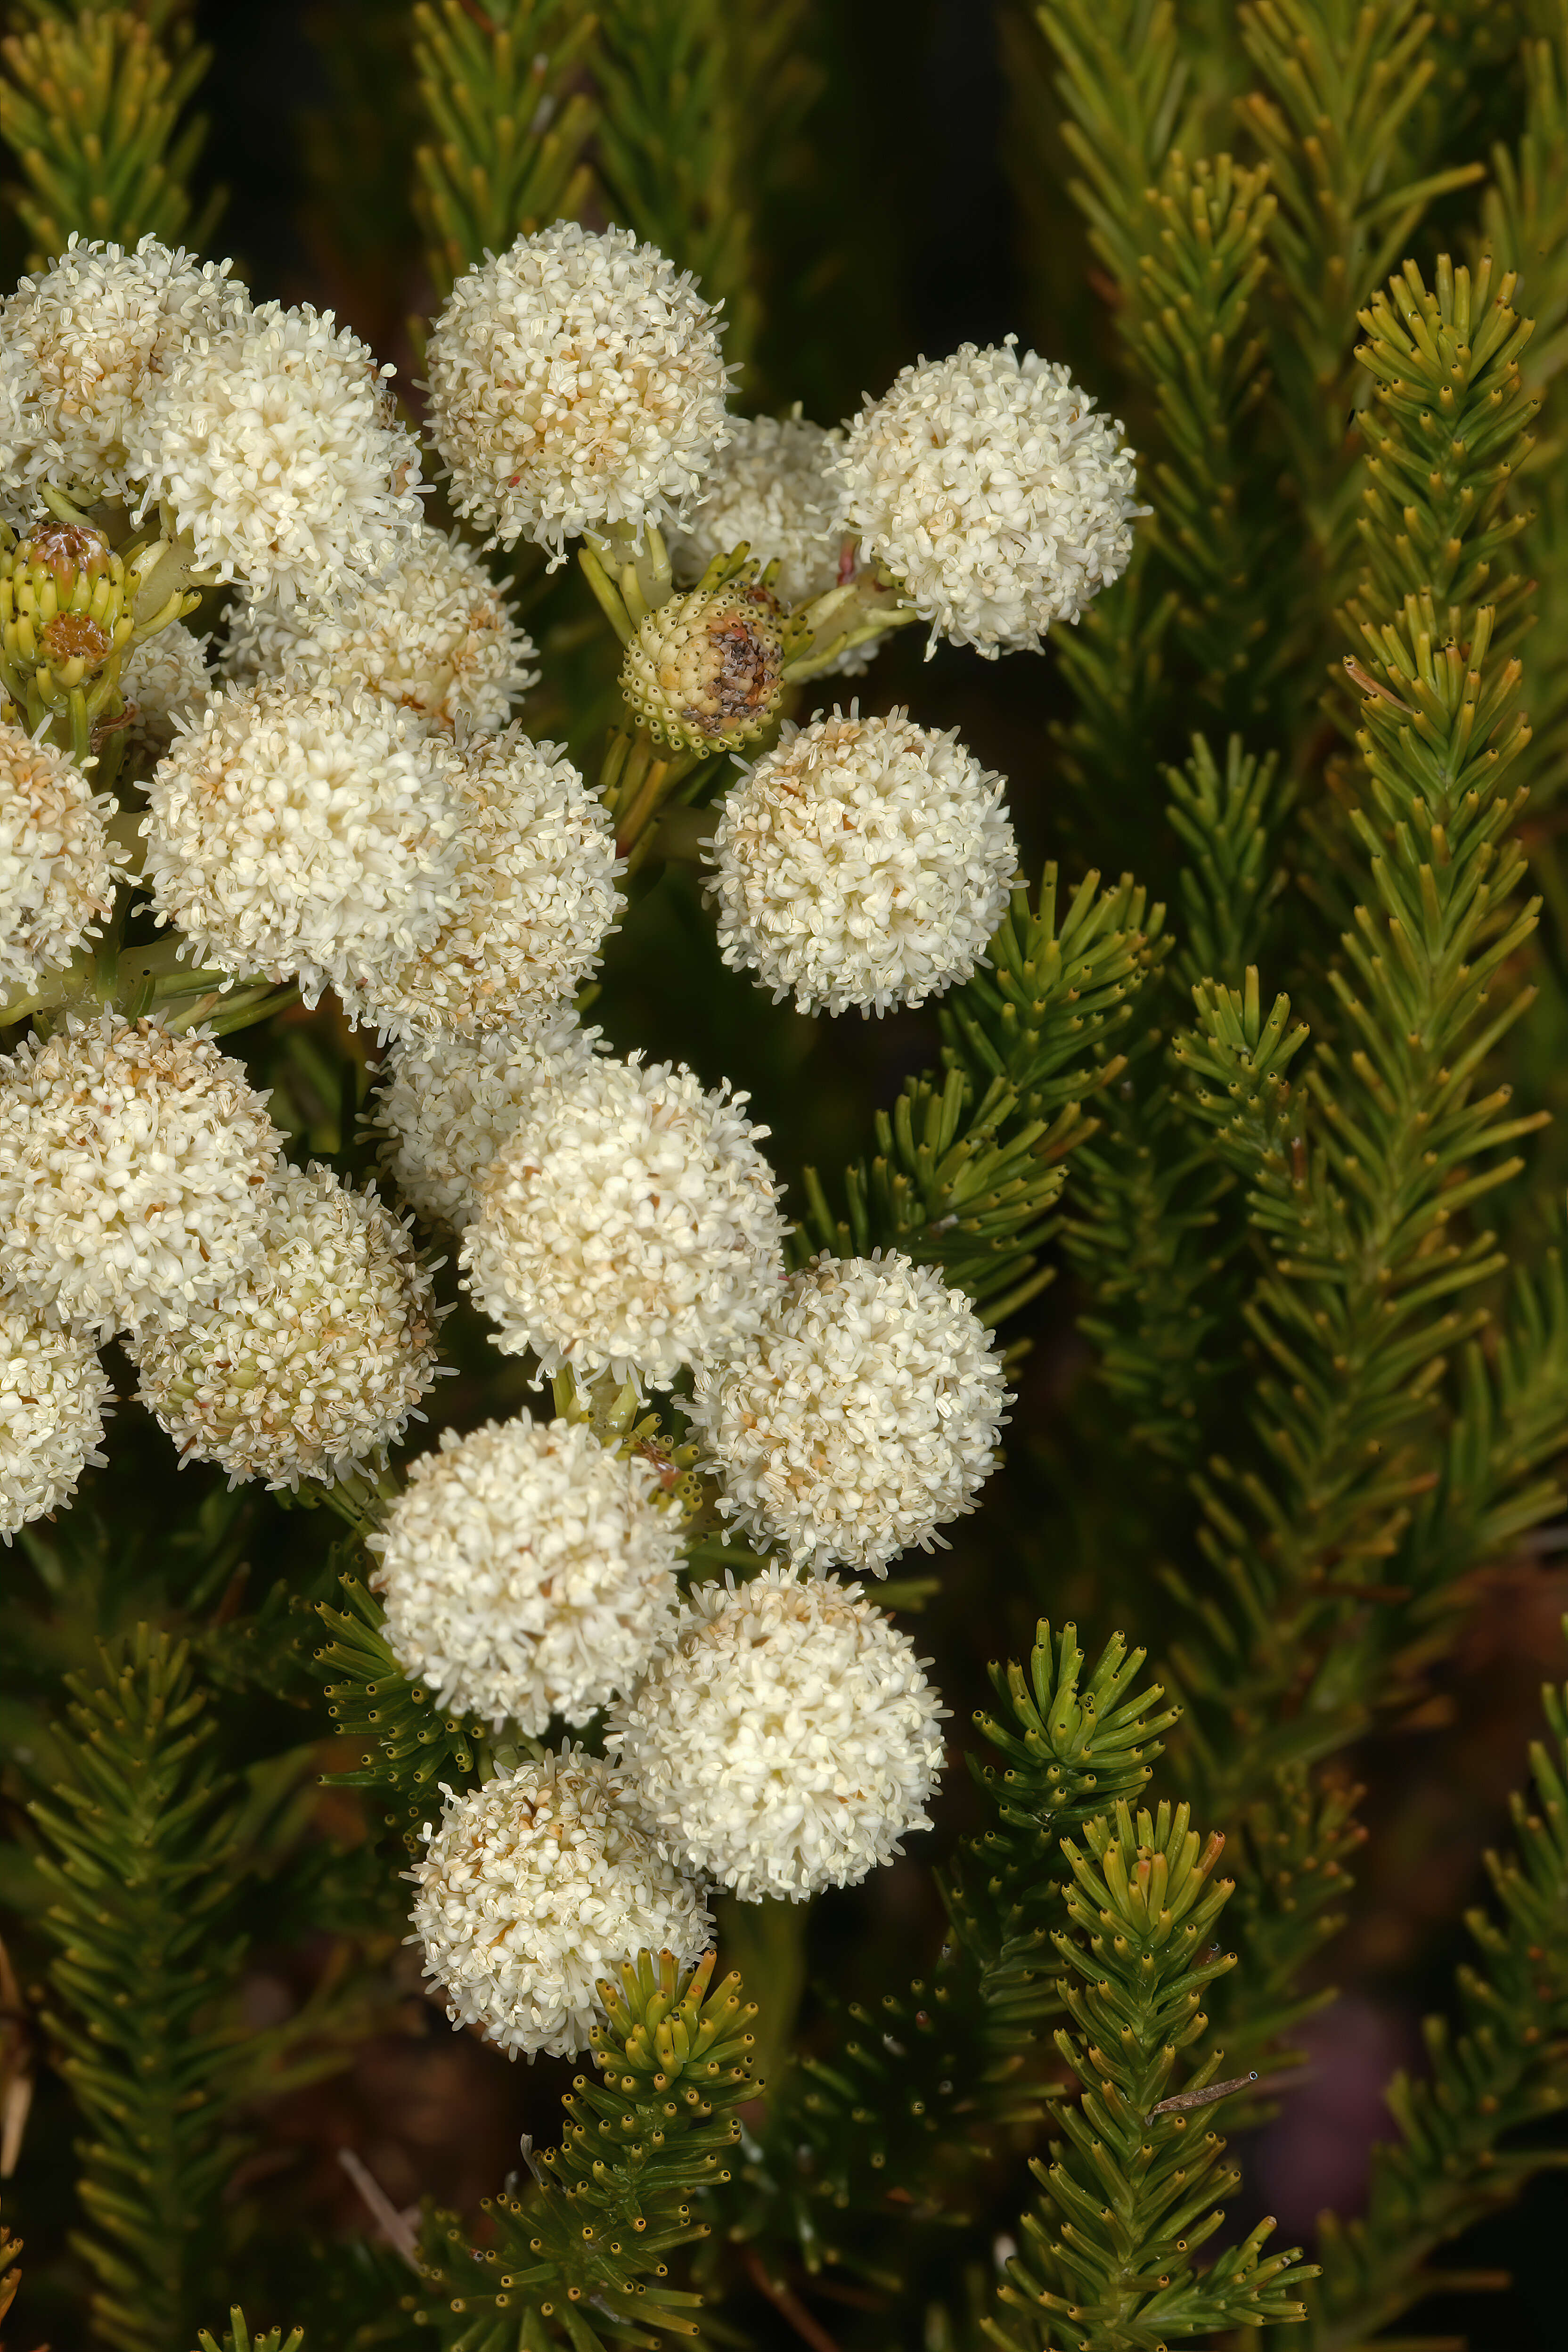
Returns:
(527, 1572)
(57, 862)
(630, 1225)
(534, 1889)
(86, 348)
(987, 485)
(315, 1360)
(447, 1105)
(770, 490)
(131, 1167)
(53, 1392)
(277, 446)
(304, 834)
(535, 899)
(863, 863)
(436, 638)
(785, 1737)
(576, 381)
(862, 1416)
(167, 681)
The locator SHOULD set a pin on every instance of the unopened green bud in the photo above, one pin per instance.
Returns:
(703, 671)
(63, 615)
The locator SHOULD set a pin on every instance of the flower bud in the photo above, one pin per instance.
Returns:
(704, 672)
(64, 613)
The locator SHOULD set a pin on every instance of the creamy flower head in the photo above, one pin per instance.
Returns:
(167, 678)
(533, 901)
(53, 1394)
(630, 1225)
(532, 1893)
(447, 1105)
(784, 1738)
(861, 1417)
(276, 444)
(527, 1572)
(576, 381)
(302, 833)
(772, 489)
(862, 863)
(436, 638)
(989, 487)
(57, 862)
(315, 1360)
(86, 350)
(131, 1164)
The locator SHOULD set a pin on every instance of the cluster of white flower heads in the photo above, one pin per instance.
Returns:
(315, 1360)
(527, 1572)
(862, 862)
(276, 445)
(532, 1891)
(167, 680)
(770, 490)
(630, 1225)
(785, 1737)
(53, 1391)
(132, 1163)
(86, 350)
(862, 1416)
(303, 833)
(57, 862)
(574, 381)
(447, 1105)
(990, 489)
(533, 900)
(436, 638)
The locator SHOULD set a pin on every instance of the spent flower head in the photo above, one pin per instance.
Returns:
(132, 1166)
(436, 638)
(862, 863)
(784, 1738)
(54, 1392)
(276, 447)
(444, 1105)
(305, 834)
(859, 1418)
(575, 384)
(86, 348)
(314, 1360)
(527, 1572)
(532, 1892)
(631, 1224)
(989, 487)
(56, 861)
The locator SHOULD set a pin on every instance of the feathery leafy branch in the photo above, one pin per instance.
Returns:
(412, 1744)
(509, 123)
(679, 137)
(140, 1835)
(93, 107)
(238, 2337)
(1150, 1233)
(968, 1166)
(1358, 1182)
(580, 2255)
(1339, 121)
(1457, 2157)
(1126, 2198)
